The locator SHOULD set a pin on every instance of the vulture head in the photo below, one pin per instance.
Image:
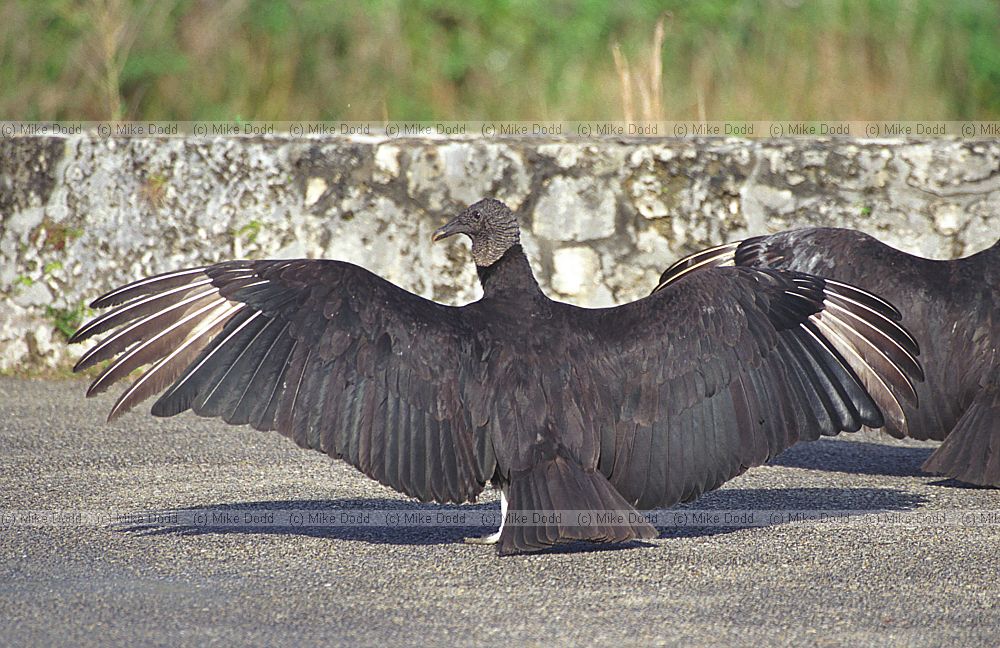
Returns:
(490, 224)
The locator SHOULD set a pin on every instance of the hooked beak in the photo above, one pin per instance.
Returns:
(452, 228)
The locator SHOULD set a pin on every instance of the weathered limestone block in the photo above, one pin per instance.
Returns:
(601, 219)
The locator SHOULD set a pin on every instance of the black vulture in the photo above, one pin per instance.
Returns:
(564, 409)
(951, 307)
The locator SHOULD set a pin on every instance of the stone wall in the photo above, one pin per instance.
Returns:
(601, 219)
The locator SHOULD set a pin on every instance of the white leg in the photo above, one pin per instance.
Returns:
(493, 538)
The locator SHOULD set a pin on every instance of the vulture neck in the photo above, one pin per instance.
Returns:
(510, 275)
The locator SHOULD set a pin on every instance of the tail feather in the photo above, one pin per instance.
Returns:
(971, 451)
(557, 501)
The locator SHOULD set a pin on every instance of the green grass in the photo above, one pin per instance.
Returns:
(497, 59)
(68, 320)
(249, 232)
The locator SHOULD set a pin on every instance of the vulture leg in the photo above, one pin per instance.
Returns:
(492, 538)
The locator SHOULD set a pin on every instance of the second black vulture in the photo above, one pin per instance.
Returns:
(951, 307)
(564, 409)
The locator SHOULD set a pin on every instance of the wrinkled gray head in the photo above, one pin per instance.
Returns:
(490, 224)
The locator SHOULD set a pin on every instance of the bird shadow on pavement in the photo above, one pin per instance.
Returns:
(735, 509)
(374, 520)
(862, 458)
(402, 522)
(954, 483)
(856, 458)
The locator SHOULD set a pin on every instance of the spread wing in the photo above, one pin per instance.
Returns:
(724, 370)
(876, 349)
(324, 352)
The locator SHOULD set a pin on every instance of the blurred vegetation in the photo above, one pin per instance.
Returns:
(499, 59)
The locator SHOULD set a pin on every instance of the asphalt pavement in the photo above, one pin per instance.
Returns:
(897, 571)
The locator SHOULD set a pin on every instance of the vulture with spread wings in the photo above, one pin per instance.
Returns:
(564, 409)
(952, 308)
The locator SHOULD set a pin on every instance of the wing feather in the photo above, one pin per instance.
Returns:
(744, 365)
(324, 352)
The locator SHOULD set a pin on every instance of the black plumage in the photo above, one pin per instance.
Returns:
(951, 307)
(563, 408)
